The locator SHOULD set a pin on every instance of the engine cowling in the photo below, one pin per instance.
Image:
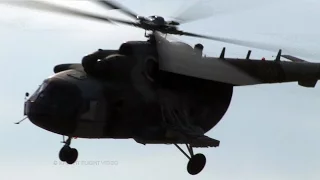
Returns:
(151, 68)
(146, 54)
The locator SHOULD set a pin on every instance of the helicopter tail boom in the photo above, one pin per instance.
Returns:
(307, 83)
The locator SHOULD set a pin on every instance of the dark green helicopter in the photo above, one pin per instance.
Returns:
(153, 91)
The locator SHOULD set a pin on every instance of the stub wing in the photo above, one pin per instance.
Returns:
(183, 136)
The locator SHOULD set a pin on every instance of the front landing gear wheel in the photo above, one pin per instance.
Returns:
(68, 154)
(196, 164)
(64, 153)
(72, 156)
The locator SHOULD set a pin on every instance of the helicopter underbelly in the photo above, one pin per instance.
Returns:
(87, 129)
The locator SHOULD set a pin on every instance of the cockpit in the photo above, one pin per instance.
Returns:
(55, 92)
(54, 100)
(39, 91)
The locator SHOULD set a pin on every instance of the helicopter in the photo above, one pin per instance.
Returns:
(153, 91)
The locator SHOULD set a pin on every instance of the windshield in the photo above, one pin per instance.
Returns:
(43, 86)
(40, 89)
(57, 96)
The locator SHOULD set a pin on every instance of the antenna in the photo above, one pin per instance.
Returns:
(248, 55)
(21, 120)
(25, 98)
(278, 56)
(223, 52)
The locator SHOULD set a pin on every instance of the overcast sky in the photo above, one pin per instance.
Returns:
(269, 131)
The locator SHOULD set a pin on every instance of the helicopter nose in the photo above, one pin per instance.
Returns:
(54, 106)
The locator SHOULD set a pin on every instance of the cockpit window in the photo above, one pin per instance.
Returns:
(57, 97)
(39, 90)
(43, 86)
(60, 95)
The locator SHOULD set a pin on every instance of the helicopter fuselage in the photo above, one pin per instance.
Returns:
(128, 101)
(74, 104)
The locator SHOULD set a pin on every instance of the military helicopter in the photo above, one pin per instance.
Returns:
(153, 91)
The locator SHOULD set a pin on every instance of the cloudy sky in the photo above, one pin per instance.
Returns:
(269, 131)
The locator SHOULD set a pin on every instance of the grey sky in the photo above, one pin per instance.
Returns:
(269, 132)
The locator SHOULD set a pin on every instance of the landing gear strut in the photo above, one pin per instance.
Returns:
(68, 154)
(196, 162)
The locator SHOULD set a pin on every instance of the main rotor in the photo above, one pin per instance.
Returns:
(155, 24)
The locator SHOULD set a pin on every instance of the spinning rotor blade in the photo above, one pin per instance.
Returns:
(118, 6)
(234, 41)
(37, 5)
(195, 12)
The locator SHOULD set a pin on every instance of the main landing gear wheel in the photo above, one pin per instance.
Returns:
(68, 154)
(196, 162)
